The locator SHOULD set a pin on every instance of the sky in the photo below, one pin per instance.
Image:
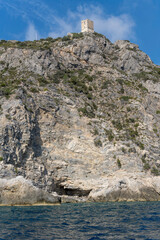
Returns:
(135, 20)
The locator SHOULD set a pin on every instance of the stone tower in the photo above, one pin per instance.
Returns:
(87, 26)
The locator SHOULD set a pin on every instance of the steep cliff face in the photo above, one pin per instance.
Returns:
(80, 117)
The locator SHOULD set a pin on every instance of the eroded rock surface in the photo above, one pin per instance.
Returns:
(79, 118)
(123, 186)
(19, 191)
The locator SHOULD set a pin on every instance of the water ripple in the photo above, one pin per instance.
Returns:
(88, 221)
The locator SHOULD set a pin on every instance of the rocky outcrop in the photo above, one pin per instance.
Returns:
(79, 118)
(18, 191)
(122, 186)
(130, 58)
(76, 53)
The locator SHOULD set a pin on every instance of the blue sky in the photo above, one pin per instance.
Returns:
(134, 20)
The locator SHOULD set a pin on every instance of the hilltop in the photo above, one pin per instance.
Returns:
(79, 121)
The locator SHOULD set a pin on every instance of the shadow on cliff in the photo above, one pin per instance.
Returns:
(36, 141)
(34, 147)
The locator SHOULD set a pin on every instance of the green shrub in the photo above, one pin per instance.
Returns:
(132, 133)
(97, 143)
(117, 124)
(7, 92)
(140, 86)
(85, 112)
(103, 55)
(45, 89)
(94, 106)
(146, 166)
(117, 47)
(57, 76)
(90, 88)
(119, 163)
(1, 159)
(42, 81)
(157, 70)
(49, 39)
(131, 120)
(143, 158)
(16, 170)
(128, 109)
(2, 62)
(28, 109)
(140, 145)
(79, 85)
(142, 75)
(98, 34)
(155, 130)
(77, 35)
(89, 96)
(8, 116)
(95, 131)
(121, 90)
(123, 150)
(75, 81)
(125, 98)
(130, 150)
(105, 84)
(136, 125)
(155, 171)
(34, 90)
(3, 84)
(120, 81)
(88, 78)
(66, 38)
(114, 58)
(109, 134)
(110, 137)
(2, 41)
(132, 49)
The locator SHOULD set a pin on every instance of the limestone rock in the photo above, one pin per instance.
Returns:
(79, 117)
(126, 187)
(18, 191)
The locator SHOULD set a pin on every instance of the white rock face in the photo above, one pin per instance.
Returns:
(123, 186)
(19, 191)
(79, 117)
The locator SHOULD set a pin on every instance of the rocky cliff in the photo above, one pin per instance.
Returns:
(79, 121)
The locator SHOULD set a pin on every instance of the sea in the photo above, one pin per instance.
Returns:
(120, 220)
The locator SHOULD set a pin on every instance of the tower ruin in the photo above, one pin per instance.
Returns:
(87, 26)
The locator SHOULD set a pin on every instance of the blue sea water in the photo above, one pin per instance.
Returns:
(138, 220)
